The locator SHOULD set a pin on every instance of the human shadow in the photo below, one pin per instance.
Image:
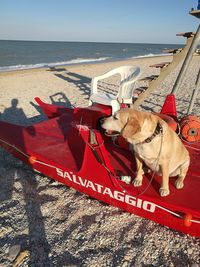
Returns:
(17, 178)
(13, 113)
(16, 115)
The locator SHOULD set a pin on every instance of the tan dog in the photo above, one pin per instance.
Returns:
(154, 142)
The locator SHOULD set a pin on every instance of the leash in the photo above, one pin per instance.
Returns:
(93, 142)
(154, 173)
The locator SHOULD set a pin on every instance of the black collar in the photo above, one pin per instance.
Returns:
(157, 131)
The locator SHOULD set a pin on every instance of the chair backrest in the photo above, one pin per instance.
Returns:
(126, 73)
(129, 75)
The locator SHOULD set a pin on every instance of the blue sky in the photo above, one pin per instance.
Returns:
(132, 21)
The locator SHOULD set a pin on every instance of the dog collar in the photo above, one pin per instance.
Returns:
(158, 130)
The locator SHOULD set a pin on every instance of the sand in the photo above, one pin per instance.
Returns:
(56, 225)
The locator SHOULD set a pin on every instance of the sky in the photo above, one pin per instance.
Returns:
(125, 21)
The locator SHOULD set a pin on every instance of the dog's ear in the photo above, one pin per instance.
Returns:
(131, 128)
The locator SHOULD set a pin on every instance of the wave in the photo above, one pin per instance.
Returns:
(72, 62)
(50, 65)
(152, 55)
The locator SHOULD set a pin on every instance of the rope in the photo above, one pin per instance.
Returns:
(194, 148)
(174, 213)
(156, 161)
(153, 175)
(13, 146)
(124, 190)
(49, 165)
(179, 126)
(187, 122)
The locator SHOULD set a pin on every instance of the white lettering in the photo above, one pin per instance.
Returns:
(131, 200)
(139, 203)
(59, 172)
(119, 196)
(82, 182)
(99, 188)
(108, 192)
(91, 185)
(75, 179)
(148, 206)
(67, 175)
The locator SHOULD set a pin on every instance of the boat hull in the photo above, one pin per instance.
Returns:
(69, 148)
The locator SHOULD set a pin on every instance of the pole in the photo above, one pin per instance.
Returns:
(187, 61)
(194, 94)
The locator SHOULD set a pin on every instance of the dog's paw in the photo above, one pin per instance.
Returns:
(137, 182)
(164, 192)
(179, 183)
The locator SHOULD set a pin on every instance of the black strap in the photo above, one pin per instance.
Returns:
(157, 131)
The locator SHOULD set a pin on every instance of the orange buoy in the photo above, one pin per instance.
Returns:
(187, 220)
(190, 128)
(32, 159)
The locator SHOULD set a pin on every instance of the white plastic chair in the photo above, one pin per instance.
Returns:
(129, 75)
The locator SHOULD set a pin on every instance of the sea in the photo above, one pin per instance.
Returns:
(15, 55)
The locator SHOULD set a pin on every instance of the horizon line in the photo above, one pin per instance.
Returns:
(62, 41)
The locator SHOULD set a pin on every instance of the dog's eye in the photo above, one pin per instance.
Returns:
(115, 117)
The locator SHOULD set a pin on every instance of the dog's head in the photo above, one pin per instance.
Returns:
(125, 122)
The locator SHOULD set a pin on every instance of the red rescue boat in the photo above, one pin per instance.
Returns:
(69, 147)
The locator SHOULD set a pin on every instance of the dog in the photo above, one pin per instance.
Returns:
(154, 143)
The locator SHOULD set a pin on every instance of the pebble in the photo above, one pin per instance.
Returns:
(127, 258)
(177, 245)
(126, 264)
(189, 251)
(45, 210)
(135, 237)
(4, 231)
(18, 185)
(13, 252)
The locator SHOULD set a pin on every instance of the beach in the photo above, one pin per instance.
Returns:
(58, 226)
(73, 82)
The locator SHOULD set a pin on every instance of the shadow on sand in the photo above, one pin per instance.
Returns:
(17, 178)
(80, 81)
